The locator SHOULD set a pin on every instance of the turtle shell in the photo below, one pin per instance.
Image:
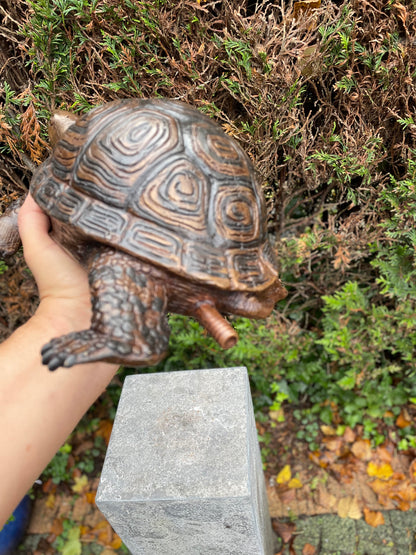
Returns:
(159, 180)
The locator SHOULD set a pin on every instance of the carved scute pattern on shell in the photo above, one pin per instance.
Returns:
(237, 213)
(176, 196)
(117, 155)
(163, 182)
(222, 155)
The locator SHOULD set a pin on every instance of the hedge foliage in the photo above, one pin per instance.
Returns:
(323, 100)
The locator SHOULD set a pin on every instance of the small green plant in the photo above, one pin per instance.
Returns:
(344, 167)
(280, 396)
(309, 428)
(87, 462)
(69, 542)
(239, 52)
(264, 441)
(395, 255)
(58, 469)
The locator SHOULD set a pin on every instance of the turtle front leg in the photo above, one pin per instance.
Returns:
(129, 324)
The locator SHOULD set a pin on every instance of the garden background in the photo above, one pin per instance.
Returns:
(322, 98)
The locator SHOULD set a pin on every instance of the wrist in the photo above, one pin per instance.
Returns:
(45, 325)
(61, 316)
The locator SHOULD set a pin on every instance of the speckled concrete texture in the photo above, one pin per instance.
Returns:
(183, 472)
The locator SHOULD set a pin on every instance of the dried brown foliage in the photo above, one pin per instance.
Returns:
(315, 97)
(30, 135)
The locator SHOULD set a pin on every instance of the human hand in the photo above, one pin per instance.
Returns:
(39, 409)
(62, 283)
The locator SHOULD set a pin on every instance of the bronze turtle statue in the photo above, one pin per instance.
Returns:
(164, 211)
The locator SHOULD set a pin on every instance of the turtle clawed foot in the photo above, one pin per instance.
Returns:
(83, 346)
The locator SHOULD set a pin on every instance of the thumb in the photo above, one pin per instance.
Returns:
(51, 266)
(33, 224)
(33, 229)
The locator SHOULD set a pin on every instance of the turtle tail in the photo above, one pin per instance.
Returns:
(9, 232)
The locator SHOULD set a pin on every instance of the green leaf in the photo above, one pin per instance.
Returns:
(73, 545)
(347, 382)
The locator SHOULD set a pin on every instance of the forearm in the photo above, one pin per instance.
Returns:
(38, 408)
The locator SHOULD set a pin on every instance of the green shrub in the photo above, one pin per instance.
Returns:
(323, 102)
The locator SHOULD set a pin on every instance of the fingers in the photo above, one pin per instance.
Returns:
(56, 273)
(33, 226)
(38, 246)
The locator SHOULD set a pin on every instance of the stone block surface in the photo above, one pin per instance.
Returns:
(183, 472)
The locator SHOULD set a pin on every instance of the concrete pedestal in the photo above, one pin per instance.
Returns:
(183, 473)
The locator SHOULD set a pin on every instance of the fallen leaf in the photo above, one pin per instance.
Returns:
(328, 430)
(295, 483)
(307, 59)
(403, 13)
(30, 134)
(84, 530)
(284, 475)
(229, 129)
(308, 549)
(49, 486)
(104, 534)
(349, 435)
(403, 505)
(412, 470)
(101, 525)
(383, 471)
(373, 518)
(326, 499)
(57, 527)
(90, 497)
(76, 472)
(286, 530)
(333, 443)
(83, 446)
(362, 449)
(50, 501)
(403, 420)
(348, 508)
(105, 537)
(287, 497)
(397, 489)
(404, 492)
(315, 457)
(382, 487)
(104, 430)
(116, 542)
(384, 453)
(277, 415)
(81, 484)
(261, 429)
